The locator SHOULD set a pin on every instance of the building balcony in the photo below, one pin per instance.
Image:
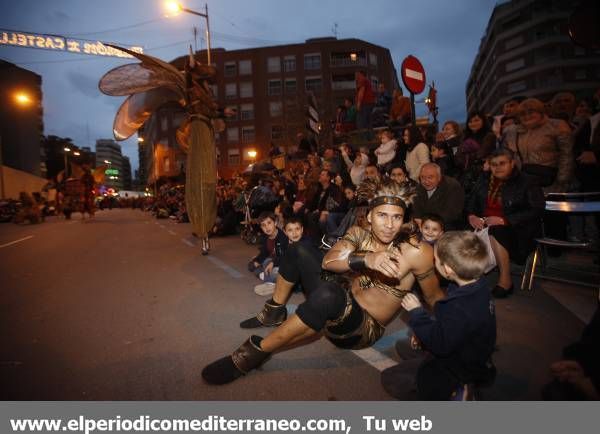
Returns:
(341, 62)
(343, 85)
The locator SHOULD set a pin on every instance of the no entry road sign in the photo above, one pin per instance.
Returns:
(413, 74)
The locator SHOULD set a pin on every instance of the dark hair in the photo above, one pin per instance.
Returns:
(415, 137)
(502, 152)
(349, 185)
(266, 215)
(485, 128)
(442, 146)
(434, 218)
(293, 220)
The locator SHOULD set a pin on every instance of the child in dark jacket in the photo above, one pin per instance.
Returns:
(460, 337)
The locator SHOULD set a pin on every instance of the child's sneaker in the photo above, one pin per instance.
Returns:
(266, 288)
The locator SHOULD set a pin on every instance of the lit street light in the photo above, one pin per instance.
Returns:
(252, 154)
(23, 99)
(175, 7)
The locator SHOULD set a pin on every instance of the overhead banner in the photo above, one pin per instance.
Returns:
(60, 43)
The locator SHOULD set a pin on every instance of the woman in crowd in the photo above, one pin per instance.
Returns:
(452, 135)
(511, 204)
(543, 145)
(386, 151)
(478, 142)
(417, 152)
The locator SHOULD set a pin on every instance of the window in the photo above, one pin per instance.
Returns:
(290, 85)
(246, 90)
(230, 91)
(546, 53)
(276, 132)
(215, 90)
(233, 157)
(275, 108)
(513, 42)
(313, 83)
(289, 63)
(274, 87)
(246, 112)
(230, 69)
(274, 64)
(579, 51)
(374, 82)
(245, 67)
(373, 59)
(515, 87)
(515, 64)
(247, 134)
(233, 134)
(312, 61)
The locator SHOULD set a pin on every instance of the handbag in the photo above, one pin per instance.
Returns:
(484, 236)
(545, 175)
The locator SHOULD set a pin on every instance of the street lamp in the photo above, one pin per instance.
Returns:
(66, 152)
(23, 99)
(175, 7)
(252, 154)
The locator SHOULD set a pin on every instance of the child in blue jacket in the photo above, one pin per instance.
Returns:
(461, 335)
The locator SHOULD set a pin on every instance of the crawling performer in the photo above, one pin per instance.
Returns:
(367, 273)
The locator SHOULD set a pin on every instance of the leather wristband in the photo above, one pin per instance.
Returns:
(356, 261)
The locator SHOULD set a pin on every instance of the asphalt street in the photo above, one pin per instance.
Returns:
(124, 307)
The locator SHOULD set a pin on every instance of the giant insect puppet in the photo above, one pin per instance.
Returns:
(153, 83)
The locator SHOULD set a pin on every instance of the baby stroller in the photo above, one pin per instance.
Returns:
(256, 201)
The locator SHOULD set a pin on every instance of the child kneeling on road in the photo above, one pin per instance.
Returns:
(461, 335)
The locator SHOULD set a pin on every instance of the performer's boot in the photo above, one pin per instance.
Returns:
(247, 357)
(271, 315)
(205, 246)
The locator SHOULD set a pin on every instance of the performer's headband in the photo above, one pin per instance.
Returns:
(387, 200)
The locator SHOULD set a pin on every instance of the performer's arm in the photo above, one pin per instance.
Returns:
(344, 257)
(336, 259)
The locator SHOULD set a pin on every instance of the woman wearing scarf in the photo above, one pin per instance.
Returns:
(511, 204)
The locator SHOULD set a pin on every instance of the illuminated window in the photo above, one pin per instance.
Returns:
(247, 134)
(233, 134)
(290, 86)
(233, 157)
(275, 108)
(231, 91)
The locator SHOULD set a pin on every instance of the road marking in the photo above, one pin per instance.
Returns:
(171, 232)
(226, 268)
(374, 355)
(16, 241)
(188, 242)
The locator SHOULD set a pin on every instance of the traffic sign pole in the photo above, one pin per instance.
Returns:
(413, 76)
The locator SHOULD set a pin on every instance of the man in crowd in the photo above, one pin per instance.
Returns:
(365, 100)
(441, 195)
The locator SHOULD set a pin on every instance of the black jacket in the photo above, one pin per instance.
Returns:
(281, 243)
(462, 333)
(523, 204)
(447, 201)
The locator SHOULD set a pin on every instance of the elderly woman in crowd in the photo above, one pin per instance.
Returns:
(511, 204)
(544, 146)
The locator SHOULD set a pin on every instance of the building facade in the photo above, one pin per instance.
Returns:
(21, 123)
(107, 150)
(269, 88)
(526, 51)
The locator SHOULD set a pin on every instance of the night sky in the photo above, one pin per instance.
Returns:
(444, 35)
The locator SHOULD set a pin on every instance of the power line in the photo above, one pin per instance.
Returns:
(116, 29)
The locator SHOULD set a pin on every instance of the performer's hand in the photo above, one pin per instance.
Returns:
(384, 262)
(476, 222)
(410, 302)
